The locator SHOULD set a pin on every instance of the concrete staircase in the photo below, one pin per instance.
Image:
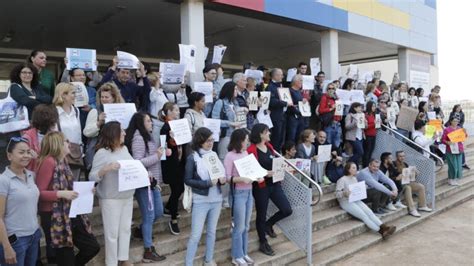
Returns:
(336, 235)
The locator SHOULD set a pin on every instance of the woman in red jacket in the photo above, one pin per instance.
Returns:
(370, 133)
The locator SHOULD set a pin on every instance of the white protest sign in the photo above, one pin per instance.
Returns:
(214, 165)
(164, 146)
(404, 95)
(392, 117)
(302, 164)
(206, 88)
(181, 131)
(353, 71)
(131, 175)
(412, 173)
(414, 101)
(442, 148)
(83, 204)
(121, 112)
(308, 82)
(187, 56)
(344, 96)
(250, 168)
(278, 167)
(172, 73)
(431, 115)
(358, 191)
(255, 74)
(215, 126)
(81, 58)
(378, 121)
(360, 117)
(264, 118)
(304, 108)
(285, 95)
(127, 60)
(454, 148)
(218, 54)
(82, 97)
(406, 173)
(396, 96)
(324, 153)
(252, 101)
(290, 74)
(241, 116)
(357, 96)
(315, 65)
(339, 107)
(265, 98)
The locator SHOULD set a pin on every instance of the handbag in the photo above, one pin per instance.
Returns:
(187, 198)
(13, 117)
(75, 156)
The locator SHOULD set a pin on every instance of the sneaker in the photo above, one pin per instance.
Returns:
(399, 204)
(453, 182)
(151, 255)
(414, 213)
(425, 209)
(390, 207)
(269, 231)
(174, 229)
(465, 166)
(249, 260)
(266, 249)
(239, 262)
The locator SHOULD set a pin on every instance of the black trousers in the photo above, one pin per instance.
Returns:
(377, 198)
(278, 197)
(369, 146)
(177, 188)
(85, 242)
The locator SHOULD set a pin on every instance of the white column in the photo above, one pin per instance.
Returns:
(330, 54)
(192, 32)
(403, 67)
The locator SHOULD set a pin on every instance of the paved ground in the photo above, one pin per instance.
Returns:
(446, 239)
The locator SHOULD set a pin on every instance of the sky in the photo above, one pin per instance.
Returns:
(456, 48)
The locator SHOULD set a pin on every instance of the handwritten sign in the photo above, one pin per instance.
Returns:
(308, 82)
(205, 88)
(430, 131)
(131, 175)
(339, 107)
(82, 97)
(265, 98)
(407, 117)
(285, 95)
(250, 168)
(304, 108)
(215, 126)
(181, 131)
(360, 117)
(438, 124)
(252, 100)
(120, 112)
(358, 191)
(81, 58)
(457, 135)
(214, 165)
(127, 60)
(279, 167)
(324, 153)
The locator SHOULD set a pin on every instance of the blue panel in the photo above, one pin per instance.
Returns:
(431, 3)
(309, 11)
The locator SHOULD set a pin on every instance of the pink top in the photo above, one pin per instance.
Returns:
(32, 136)
(231, 171)
(44, 178)
(445, 138)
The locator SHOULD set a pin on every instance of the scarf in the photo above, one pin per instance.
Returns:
(201, 168)
(61, 227)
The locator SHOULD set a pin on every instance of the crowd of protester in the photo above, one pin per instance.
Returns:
(66, 144)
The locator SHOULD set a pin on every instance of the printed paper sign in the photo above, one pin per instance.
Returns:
(414, 103)
(315, 65)
(215, 126)
(412, 173)
(279, 167)
(82, 97)
(360, 120)
(285, 95)
(391, 117)
(308, 82)
(164, 146)
(265, 98)
(357, 96)
(304, 108)
(255, 74)
(172, 73)
(241, 116)
(378, 121)
(344, 96)
(121, 112)
(303, 165)
(404, 95)
(339, 107)
(250, 168)
(81, 58)
(127, 60)
(132, 174)
(181, 131)
(358, 191)
(431, 115)
(442, 148)
(406, 172)
(214, 165)
(218, 54)
(324, 153)
(458, 135)
(290, 74)
(396, 96)
(187, 56)
(206, 88)
(84, 203)
(252, 101)
(454, 148)
(264, 118)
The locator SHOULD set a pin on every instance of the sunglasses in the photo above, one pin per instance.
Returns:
(16, 140)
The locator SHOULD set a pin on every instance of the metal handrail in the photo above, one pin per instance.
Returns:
(414, 143)
(305, 176)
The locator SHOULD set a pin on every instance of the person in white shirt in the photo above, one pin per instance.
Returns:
(157, 96)
(419, 137)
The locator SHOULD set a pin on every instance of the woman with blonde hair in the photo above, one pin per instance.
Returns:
(55, 182)
(69, 123)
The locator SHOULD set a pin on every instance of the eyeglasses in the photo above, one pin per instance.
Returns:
(26, 72)
(210, 140)
(331, 88)
(16, 140)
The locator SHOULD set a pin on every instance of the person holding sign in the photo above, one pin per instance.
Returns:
(78, 75)
(116, 206)
(306, 150)
(330, 122)
(241, 197)
(454, 150)
(18, 208)
(370, 132)
(358, 208)
(143, 147)
(173, 166)
(457, 111)
(265, 190)
(388, 168)
(206, 199)
(295, 121)
(130, 91)
(277, 107)
(354, 133)
(55, 183)
(419, 137)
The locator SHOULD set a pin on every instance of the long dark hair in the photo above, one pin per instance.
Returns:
(137, 123)
(256, 131)
(368, 107)
(16, 72)
(236, 139)
(227, 91)
(353, 107)
(109, 136)
(347, 83)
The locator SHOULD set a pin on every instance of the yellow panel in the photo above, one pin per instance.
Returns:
(361, 7)
(342, 4)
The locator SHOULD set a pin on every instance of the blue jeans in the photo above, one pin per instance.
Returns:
(26, 249)
(294, 127)
(357, 151)
(242, 205)
(359, 210)
(334, 134)
(201, 212)
(149, 215)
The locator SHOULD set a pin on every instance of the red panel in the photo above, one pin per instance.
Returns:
(257, 5)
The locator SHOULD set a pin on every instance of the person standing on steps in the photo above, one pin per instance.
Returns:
(454, 152)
